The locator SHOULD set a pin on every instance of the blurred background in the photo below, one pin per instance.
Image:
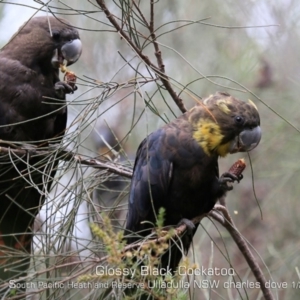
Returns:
(249, 49)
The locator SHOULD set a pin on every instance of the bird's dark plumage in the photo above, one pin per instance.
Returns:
(176, 167)
(32, 111)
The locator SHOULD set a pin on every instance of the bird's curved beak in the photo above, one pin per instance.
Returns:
(70, 52)
(246, 141)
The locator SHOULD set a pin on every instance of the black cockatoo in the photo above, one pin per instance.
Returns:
(176, 167)
(32, 111)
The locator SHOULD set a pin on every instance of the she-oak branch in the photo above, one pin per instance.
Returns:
(158, 70)
(219, 213)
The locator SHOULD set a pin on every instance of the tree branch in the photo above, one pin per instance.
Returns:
(219, 213)
(158, 70)
(227, 222)
(66, 155)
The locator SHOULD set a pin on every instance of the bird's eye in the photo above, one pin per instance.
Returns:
(238, 119)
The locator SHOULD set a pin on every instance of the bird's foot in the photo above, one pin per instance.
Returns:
(227, 178)
(190, 226)
(62, 88)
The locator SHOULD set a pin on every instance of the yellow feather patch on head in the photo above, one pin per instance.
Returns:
(222, 104)
(253, 104)
(209, 137)
(208, 99)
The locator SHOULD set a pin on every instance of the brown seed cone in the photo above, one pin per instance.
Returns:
(70, 78)
(238, 167)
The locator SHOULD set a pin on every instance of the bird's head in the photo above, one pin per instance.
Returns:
(45, 41)
(68, 45)
(223, 124)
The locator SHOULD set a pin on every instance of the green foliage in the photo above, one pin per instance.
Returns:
(135, 269)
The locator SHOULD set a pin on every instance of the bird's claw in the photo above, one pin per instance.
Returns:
(229, 178)
(190, 226)
(63, 88)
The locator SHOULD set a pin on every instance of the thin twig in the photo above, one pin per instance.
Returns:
(223, 218)
(153, 36)
(163, 77)
(227, 222)
(66, 155)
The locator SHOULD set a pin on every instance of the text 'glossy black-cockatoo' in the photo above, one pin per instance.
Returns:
(33, 110)
(176, 167)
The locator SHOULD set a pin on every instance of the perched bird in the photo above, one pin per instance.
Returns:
(176, 167)
(32, 111)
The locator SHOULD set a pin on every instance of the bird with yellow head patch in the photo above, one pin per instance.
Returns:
(176, 167)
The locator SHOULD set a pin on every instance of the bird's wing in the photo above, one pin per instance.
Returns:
(151, 180)
(24, 100)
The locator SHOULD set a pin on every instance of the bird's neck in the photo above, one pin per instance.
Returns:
(208, 135)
